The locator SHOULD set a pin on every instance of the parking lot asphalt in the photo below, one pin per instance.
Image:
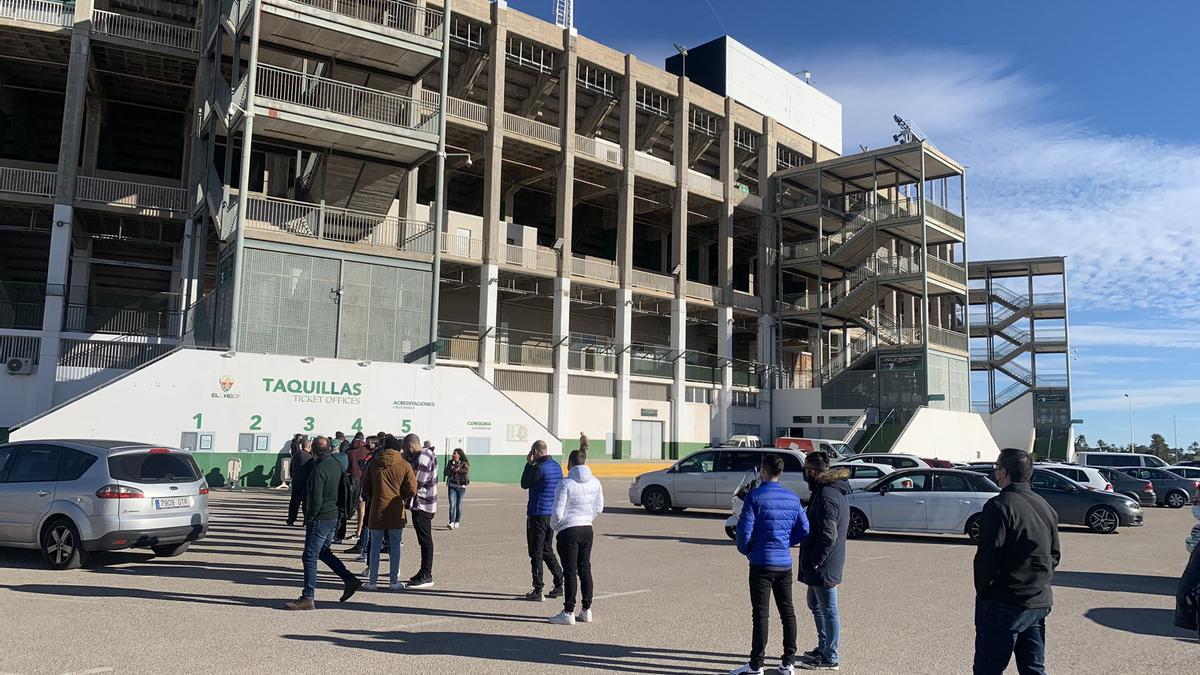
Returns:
(670, 598)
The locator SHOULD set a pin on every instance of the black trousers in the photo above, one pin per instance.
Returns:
(763, 584)
(422, 522)
(575, 550)
(541, 549)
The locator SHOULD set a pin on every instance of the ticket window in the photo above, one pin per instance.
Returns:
(254, 442)
(193, 441)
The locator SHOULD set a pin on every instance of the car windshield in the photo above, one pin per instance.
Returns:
(153, 467)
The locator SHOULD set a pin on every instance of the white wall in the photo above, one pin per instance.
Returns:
(1012, 425)
(946, 434)
(230, 395)
(17, 400)
(754, 81)
(592, 415)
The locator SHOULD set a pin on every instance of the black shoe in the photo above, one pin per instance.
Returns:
(810, 655)
(818, 664)
(417, 583)
(555, 592)
(535, 595)
(354, 550)
(352, 587)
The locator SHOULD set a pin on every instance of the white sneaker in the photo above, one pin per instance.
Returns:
(746, 670)
(585, 616)
(565, 619)
(398, 586)
(789, 669)
(369, 587)
(456, 526)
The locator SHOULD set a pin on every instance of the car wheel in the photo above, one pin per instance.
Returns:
(170, 550)
(656, 500)
(858, 524)
(731, 532)
(1102, 520)
(974, 528)
(1176, 499)
(678, 509)
(62, 548)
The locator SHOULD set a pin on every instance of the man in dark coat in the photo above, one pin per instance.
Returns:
(301, 465)
(824, 555)
(1014, 567)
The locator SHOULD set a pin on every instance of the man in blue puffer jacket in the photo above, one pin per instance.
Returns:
(541, 477)
(772, 522)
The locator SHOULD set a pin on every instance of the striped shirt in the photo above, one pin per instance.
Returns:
(427, 481)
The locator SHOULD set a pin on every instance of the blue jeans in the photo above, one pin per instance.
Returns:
(823, 603)
(1002, 630)
(317, 539)
(374, 540)
(456, 498)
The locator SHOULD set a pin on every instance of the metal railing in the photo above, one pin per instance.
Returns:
(119, 354)
(1018, 372)
(351, 100)
(458, 341)
(857, 349)
(85, 318)
(1010, 297)
(539, 257)
(601, 150)
(457, 107)
(39, 11)
(1050, 334)
(948, 338)
(145, 30)
(532, 128)
(521, 348)
(944, 216)
(652, 281)
(1010, 394)
(1057, 380)
(462, 247)
(946, 269)
(318, 221)
(129, 194)
(22, 304)
(592, 353)
(744, 300)
(401, 16)
(702, 367)
(652, 360)
(1049, 298)
(590, 268)
(653, 166)
(806, 301)
(28, 181)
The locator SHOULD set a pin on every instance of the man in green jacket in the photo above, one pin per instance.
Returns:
(320, 522)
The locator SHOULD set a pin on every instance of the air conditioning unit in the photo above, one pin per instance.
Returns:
(17, 365)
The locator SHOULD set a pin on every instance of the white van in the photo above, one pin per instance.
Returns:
(1118, 460)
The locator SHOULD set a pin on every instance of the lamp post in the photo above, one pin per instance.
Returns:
(1130, 400)
(683, 53)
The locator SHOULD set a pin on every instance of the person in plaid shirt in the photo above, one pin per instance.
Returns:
(424, 506)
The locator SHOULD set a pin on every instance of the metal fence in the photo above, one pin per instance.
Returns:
(457, 107)
(521, 348)
(653, 166)
(946, 269)
(462, 247)
(652, 360)
(38, 11)
(532, 128)
(145, 30)
(402, 16)
(351, 100)
(28, 181)
(129, 194)
(22, 304)
(948, 338)
(318, 221)
(600, 270)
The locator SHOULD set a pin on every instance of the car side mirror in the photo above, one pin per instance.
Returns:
(1070, 488)
(883, 489)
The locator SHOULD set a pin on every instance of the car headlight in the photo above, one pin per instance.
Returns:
(635, 481)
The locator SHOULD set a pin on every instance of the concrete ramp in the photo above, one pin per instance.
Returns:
(249, 405)
(945, 434)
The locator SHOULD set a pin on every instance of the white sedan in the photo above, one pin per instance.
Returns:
(863, 474)
(940, 501)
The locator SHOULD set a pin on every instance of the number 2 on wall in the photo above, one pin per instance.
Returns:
(309, 424)
(255, 422)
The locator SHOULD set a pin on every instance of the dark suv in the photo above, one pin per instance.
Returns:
(1101, 511)
(1123, 483)
(1172, 489)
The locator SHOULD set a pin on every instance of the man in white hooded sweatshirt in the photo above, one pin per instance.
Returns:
(577, 501)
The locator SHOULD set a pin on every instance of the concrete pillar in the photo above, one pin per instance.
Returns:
(558, 380)
(565, 207)
(494, 232)
(74, 102)
(725, 218)
(679, 223)
(91, 135)
(767, 272)
(489, 281)
(623, 411)
(725, 351)
(679, 383)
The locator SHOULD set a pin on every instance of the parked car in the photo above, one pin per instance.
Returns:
(833, 448)
(1192, 472)
(707, 479)
(1173, 490)
(1075, 504)
(1087, 476)
(939, 463)
(1137, 488)
(863, 474)
(1118, 460)
(70, 498)
(944, 501)
(742, 441)
(897, 461)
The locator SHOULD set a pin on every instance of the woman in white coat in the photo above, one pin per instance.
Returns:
(577, 502)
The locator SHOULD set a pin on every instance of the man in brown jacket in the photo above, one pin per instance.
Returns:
(389, 486)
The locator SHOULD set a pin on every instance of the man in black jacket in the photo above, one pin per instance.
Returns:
(1014, 566)
(321, 514)
(824, 555)
(302, 461)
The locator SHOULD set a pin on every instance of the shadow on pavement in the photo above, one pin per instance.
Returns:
(722, 541)
(635, 511)
(1140, 620)
(528, 649)
(1117, 583)
(943, 539)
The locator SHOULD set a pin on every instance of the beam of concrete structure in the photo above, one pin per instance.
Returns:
(494, 234)
(564, 216)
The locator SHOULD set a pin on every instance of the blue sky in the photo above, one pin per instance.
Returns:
(1077, 122)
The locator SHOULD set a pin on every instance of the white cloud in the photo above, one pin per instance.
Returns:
(1123, 209)
(1158, 395)
(1106, 359)
(1117, 335)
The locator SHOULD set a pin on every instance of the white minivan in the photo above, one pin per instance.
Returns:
(1118, 460)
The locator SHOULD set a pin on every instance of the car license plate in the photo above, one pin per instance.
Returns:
(172, 503)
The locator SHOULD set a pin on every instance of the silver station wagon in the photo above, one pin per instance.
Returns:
(72, 497)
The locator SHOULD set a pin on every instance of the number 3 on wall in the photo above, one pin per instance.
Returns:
(309, 424)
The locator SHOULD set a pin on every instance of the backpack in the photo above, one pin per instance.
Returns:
(347, 500)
